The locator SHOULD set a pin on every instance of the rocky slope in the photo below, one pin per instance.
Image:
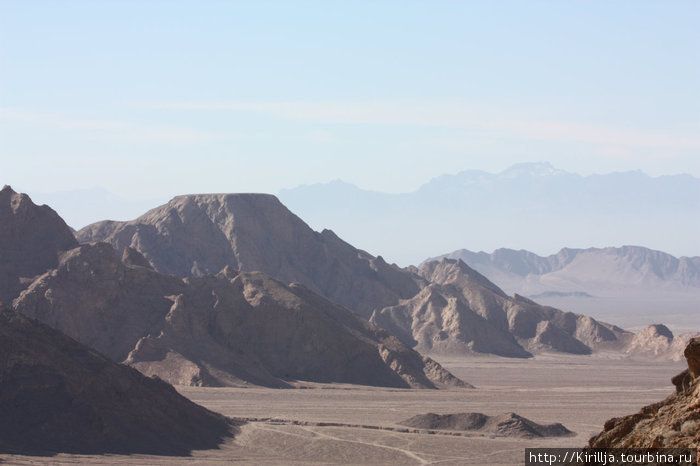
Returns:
(461, 311)
(198, 234)
(30, 238)
(673, 422)
(229, 329)
(503, 425)
(57, 395)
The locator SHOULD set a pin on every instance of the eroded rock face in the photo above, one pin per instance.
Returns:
(230, 329)
(31, 237)
(196, 235)
(460, 311)
(503, 425)
(673, 422)
(57, 395)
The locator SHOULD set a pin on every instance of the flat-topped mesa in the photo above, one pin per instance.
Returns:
(200, 234)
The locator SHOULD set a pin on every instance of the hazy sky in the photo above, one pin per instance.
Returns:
(155, 98)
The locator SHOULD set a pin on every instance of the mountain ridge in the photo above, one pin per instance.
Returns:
(544, 204)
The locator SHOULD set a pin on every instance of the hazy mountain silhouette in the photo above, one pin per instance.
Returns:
(532, 206)
(594, 270)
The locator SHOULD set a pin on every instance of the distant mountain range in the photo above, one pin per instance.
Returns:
(592, 271)
(631, 280)
(533, 206)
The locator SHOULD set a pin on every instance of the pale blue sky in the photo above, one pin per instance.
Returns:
(156, 98)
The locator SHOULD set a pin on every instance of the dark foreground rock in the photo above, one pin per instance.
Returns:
(673, 422)
(503, 425)
(57, 395)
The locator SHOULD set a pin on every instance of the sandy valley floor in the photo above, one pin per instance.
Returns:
(579, 391)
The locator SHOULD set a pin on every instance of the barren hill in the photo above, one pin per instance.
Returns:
(503, 425)
(198, 234)
(229, 329)
(461, 311)
(57, 395)
(30, 238)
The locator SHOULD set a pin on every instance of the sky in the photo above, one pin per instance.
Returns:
(150, 99)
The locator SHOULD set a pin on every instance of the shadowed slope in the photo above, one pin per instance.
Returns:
(57, 395)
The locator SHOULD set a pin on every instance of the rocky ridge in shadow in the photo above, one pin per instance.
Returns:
(57, 395)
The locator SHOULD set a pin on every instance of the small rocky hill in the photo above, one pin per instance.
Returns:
(461, 311)
(57, 395)
(30, 238)
(658, 342)
(503, 425)
(673, 422)
(201, 234)
(229, 329)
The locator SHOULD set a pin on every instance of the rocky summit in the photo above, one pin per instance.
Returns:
(229, 329)
(57, 395)
(30, 238)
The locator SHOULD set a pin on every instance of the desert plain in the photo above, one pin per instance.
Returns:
(286, 426)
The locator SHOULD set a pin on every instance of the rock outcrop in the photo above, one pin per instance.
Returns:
(196, 235)
(30, 238)
(658, 342)
(503, 425)
(57, 395)
(229, 329)
(673, 422)
(459, 310)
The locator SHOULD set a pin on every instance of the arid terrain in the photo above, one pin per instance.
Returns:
(581, 392)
